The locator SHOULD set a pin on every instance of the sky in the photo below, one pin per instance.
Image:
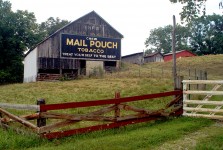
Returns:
(132, 18)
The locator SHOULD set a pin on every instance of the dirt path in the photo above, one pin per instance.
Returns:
(189, 141)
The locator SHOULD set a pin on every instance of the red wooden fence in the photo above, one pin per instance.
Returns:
(61, 128)
(142, 115)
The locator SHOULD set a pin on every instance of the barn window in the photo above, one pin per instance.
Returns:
(92, 20)
(110, 66)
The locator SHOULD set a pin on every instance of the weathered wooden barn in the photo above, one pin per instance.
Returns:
(179, 54)
(84, 44)
(153, 57)
(136, 58)
(140, 58)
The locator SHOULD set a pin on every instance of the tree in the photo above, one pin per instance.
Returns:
(160, 39)
(207, 35)
(192, 9)
(18, 32)
(51, 25)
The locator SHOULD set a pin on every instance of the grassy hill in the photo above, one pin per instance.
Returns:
(129, 81)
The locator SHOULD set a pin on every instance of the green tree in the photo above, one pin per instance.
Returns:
(160, 39)
(18, 32)
(207, 35)
(192, 9)
(51, 25)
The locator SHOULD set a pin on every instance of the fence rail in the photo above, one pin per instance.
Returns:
(20, 106)
(109, 116)
(209, 106)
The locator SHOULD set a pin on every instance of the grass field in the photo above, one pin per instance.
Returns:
(132, 80)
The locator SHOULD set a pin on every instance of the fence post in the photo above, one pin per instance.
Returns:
(189, 88)
(179, 84)
(41, 121)
(185, 96)
(195, 74)
(205, 75)
(162, 72)
(117, 110)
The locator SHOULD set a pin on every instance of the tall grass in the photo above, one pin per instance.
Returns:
(129, 82)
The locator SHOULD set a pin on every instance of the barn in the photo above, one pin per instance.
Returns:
(76, 49)
(136, 58)
(153, 57)
(140, 58)
(179, 54)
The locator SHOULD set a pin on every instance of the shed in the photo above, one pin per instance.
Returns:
(136, 58)
(76, 49)
(153, 57)
(179, 54)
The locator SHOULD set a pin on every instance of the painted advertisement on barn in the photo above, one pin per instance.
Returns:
(88, 47)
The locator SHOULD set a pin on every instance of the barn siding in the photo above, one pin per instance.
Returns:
(48, 51)
(91, 24)
(183, 53)
(30, 67)
(133, 58)
(157, 57)
(57, 63)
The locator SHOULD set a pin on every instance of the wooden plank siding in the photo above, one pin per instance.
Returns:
(91, 24)
(48, 51)
(153, 57)
(136, 58)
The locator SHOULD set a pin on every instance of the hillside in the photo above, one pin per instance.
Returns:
(129, 81)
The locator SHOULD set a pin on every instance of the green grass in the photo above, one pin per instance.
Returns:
(131, 81)
(10, 140)
(140, 136)
(213, 142)
(80, 90)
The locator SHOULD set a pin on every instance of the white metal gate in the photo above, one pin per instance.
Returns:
(204, 99)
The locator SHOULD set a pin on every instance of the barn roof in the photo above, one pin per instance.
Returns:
(92, 12)
(140, 53)
(180, 52)
(152, 54)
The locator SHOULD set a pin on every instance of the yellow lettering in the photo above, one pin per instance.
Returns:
(70, 41)
(109, 44)
(103, 44)
(76, 42)
(97, 44)
(91, 43)
(84, 44)
(115, 45)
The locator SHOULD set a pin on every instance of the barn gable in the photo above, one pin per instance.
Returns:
(90, 24)
(48, 51)
(136, 58)
(153, 57)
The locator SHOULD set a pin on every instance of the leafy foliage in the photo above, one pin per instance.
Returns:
(192, 9)
(17, 33)
(203, 35)
(207, 35)
(160, 39)
(52, 25)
